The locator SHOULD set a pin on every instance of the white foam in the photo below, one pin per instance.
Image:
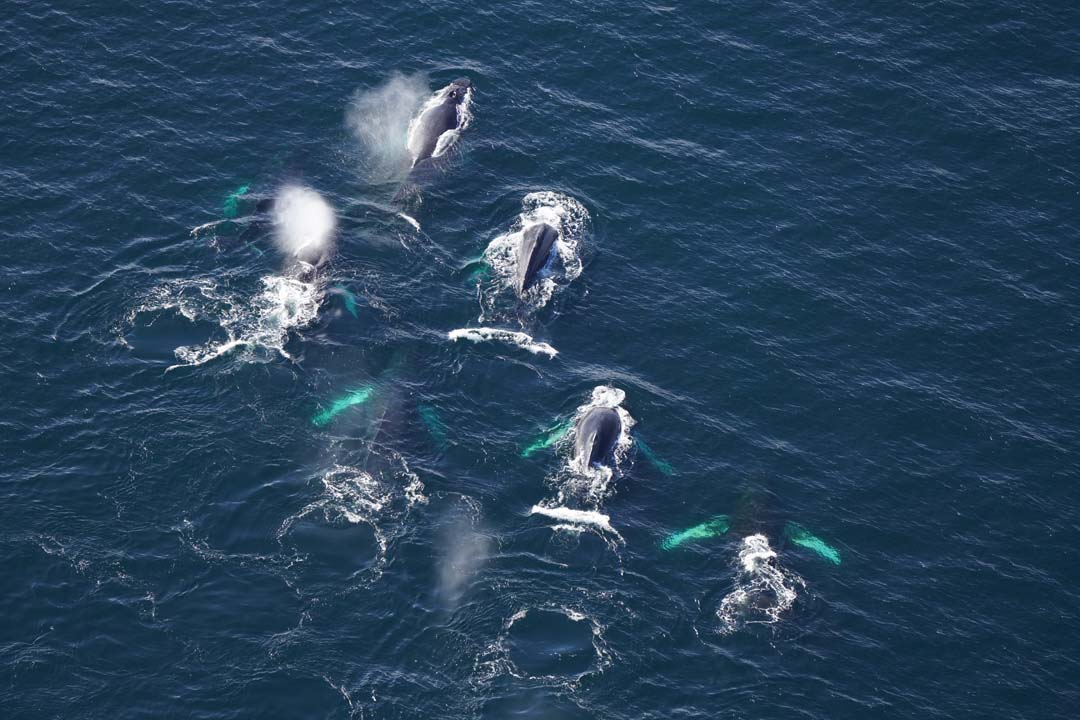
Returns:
(763, 591)
(445, 141)
(579, 517)
(755, 551)
(205, 226)
(520, 339)
(573, 223)
(352, 496)
(409, 219)
(259, 325)
(495, 660)
(304, 222)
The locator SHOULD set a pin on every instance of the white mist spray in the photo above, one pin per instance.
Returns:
(304, 223)
(379, 119)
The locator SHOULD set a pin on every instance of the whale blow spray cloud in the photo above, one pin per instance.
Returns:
(379, 119)
(304, 224)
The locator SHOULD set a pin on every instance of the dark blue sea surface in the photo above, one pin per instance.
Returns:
(824, 257)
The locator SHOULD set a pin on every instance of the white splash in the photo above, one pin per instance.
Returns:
(260, 324)
(577, 517)
(410, 219)
(304, 224)
(573, 223)
(520, 339)
(763, 590)
(257, 326)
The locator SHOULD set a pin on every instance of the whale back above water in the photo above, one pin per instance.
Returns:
(533, 253)
(438, 117)
(596, 434)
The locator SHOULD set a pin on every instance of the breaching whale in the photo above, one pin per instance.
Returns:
(595, 436)
(441, 119)
(533, 253)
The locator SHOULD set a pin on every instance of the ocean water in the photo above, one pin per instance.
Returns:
(822, 256)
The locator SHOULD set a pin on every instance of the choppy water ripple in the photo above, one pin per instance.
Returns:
(828, 264)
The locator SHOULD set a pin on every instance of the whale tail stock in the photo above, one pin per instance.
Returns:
(421, 174)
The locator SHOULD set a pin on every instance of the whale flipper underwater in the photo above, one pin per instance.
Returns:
(533, 253)
(596, 434)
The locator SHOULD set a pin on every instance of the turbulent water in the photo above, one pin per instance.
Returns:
(278, 446)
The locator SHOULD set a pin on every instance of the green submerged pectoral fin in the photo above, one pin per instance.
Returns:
(231, 206)
(358, 396)
(434, 424)
(347, 298)
(548, 439)
(798, 535)
(479, 270)
(659, 464)
(717, 526)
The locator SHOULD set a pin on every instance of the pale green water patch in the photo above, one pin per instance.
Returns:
(353, 397)
(717, 526)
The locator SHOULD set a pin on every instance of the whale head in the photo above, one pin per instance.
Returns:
(457, 90)
(596, 434)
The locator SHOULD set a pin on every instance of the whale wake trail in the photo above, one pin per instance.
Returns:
(763, 590)
(513, 337)
(256, 327)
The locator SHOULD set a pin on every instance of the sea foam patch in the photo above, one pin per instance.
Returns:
(763, 590)
(511, 337)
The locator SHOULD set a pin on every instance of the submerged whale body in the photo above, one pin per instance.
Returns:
(533, 253)
(597, 432)
(437, 125)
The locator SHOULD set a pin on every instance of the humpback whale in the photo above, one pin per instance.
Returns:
(754, 519)
(533, 252)
(595, 436)
(442, 117)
